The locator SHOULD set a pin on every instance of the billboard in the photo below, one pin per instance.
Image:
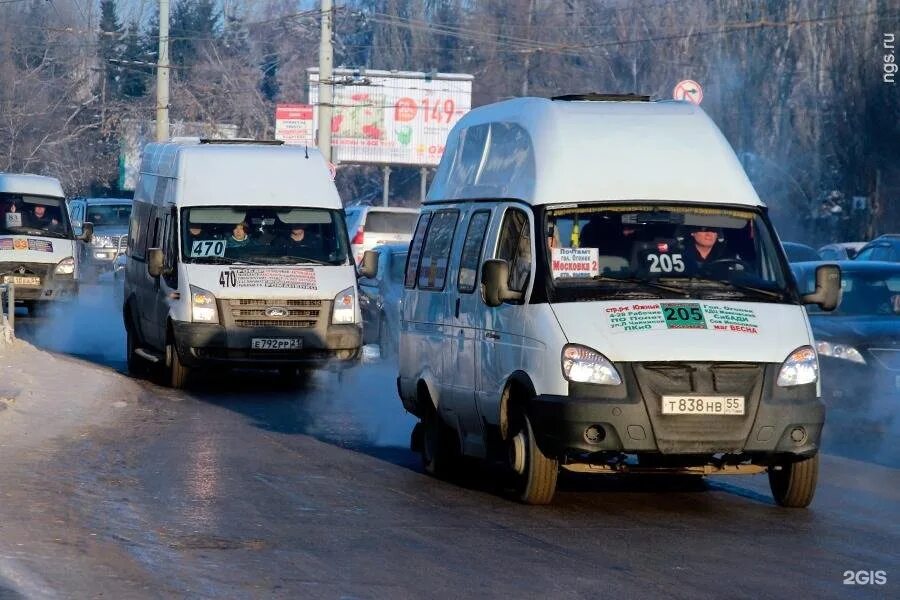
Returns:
(393, 117)
(294, 124)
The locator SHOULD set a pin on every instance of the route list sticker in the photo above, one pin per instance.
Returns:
(633, 317)
(575, 262)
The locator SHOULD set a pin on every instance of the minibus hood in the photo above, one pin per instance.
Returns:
(686, 330)
(272, 281)
(34, 249)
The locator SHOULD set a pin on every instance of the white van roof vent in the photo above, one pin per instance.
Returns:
(241, 141)
(598, 97)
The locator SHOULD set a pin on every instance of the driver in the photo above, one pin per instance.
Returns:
(41, 220)
(706, 247)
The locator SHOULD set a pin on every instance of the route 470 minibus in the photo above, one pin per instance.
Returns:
(238, 256)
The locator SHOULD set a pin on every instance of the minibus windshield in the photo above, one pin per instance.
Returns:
(34, 216)
(657, 250)
(269, 235)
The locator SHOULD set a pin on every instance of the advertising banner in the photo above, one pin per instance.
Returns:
(385, 117)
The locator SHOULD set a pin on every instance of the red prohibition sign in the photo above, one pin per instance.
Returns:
(688, 90)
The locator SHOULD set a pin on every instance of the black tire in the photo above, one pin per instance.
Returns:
(136, 365)
(794, 484)
(536, 483)
(178, 373)
(441, 455)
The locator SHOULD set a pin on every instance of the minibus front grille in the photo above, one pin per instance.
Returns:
(273, 313)
(686, 434)
(274, 323)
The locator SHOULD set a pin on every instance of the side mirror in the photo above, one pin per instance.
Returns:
(87, 233)
(494, 277)
(369, 265)
(155, 262)
(828, 288)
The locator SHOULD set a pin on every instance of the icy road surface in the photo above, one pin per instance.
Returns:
(242, 488)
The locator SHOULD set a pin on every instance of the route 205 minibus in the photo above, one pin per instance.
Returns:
(594, 285)
(238, 256)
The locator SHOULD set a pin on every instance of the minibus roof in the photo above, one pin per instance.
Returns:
(243, 173)
(544, 151)
(32, 185)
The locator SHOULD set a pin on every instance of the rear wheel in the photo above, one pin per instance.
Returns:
(178, 373)
(441, 455)
(535, 473)
(793, 484)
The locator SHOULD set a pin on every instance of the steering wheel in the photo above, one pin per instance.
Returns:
(733, 262)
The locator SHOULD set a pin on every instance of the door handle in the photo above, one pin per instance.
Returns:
(457, 308)
(491, 335)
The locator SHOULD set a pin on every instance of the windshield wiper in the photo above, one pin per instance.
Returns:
(644, 283)
(222, 260)
(740, 287)
(33, 231)
(286, 259)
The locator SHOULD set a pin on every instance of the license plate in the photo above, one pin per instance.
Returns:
(276, 343)
(17, 280)
(702, 405)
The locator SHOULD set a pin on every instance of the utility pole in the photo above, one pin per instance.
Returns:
(326, 80)
(162, 75)
(530, 51)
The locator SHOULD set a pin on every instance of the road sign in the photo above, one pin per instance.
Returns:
(688, 90)
(294, 124)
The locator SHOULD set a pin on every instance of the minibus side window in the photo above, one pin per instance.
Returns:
(170, 250)
(470, 261)
(415, 251)
(435, 261)
(514, 246)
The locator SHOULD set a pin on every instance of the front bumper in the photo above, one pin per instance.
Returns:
(201, 344)
(51, 288)
(99, 259)
(630, 420)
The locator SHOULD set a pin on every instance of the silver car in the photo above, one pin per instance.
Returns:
(109, 217)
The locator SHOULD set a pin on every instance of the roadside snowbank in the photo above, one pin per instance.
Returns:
(44, 396)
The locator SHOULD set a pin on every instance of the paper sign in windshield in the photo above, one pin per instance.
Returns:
(298, 279)
(13, 219)
(200, 248)
(648, 316)
(575, 262)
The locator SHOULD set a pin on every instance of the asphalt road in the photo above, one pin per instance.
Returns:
(246, 487)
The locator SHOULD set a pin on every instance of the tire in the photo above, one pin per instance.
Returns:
(178, 373)
(135, 363)
(536, 483)
(794, 485)
(441, 455)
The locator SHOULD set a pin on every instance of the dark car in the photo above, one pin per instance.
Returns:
(799, 252)
(380, 298)
(840, 250)
(859, 343)
(884, 248)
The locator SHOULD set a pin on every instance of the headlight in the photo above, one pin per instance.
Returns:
(65, 267)
(801, 367)
(584, 365)
(203, 306)
(344, 307)
(102, 241)
(842, 351)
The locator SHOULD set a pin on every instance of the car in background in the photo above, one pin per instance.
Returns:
(370, 226)
(858, 343)
(885, 248)
(799, 252)
(840, 250)
(380, 297)
(110, 217)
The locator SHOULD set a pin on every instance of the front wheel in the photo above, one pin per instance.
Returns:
(441, 456)
(178, 373)
(793, 484)
(135, 365)
(535, 473)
